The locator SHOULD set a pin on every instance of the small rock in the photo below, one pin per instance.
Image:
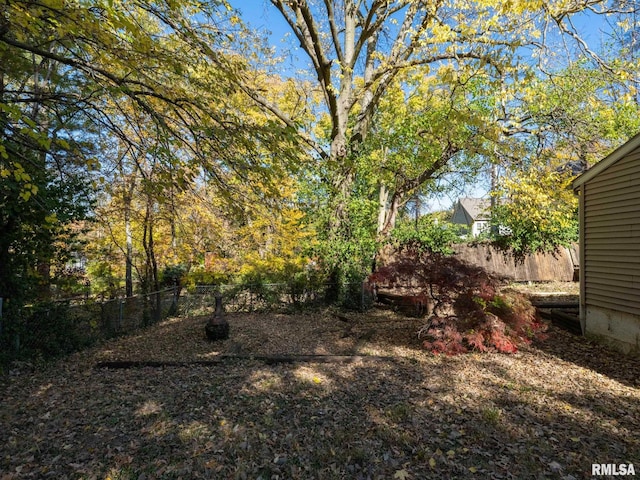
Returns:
(280, 459)
(555, 467)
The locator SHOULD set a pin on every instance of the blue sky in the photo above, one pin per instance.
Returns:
(261, 15)
(264, 17)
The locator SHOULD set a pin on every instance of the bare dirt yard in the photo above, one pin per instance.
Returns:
(392, 411)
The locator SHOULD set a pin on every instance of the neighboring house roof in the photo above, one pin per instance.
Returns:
(473, 209)
(575, 167)
(607, 161)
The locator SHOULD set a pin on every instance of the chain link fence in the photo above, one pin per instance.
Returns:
(275, 297)
(124, 315)
(52, 329)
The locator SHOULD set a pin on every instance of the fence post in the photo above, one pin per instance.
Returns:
(121, 314)
(157, 308)
(175, 297)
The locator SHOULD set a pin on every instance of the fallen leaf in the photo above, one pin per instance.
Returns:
(401, 474)
(243, 412)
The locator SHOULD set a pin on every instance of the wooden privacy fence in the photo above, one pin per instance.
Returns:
(559, 266)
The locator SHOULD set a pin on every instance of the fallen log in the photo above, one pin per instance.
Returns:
(267, 359)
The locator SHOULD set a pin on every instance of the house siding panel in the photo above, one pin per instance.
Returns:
(614, 197)
(618, 172)
(634, 156)
(607, 290)
(611, 281)
(603, 303)
(613, 232)
(626, 247)
(621, 242)
(609, 188)
(621, 220)
(620, 176)
(612, 237)
(621, 207)
(608, 258)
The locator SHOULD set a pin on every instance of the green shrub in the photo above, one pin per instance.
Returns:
(40, 332)
(428, 233)
(199, 276)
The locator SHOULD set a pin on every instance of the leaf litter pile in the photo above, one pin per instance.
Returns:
(394, 412)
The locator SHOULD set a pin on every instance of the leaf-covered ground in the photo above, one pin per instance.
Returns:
(549, 411)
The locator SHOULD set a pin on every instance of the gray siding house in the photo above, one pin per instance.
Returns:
(472, 212)
(609, 196)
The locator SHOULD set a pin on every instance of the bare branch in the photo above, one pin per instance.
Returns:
(335, 34)
(571, 31)
(303, 25)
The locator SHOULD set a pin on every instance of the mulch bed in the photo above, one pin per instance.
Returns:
(195, 409)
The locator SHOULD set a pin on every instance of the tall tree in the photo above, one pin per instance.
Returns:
(162, 207)
(426, 128)
(102, 66)
(358, 48)
(43, 146)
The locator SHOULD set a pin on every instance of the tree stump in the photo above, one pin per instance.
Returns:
(217, 327)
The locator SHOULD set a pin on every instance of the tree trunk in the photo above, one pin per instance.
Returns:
(128, 188)
(41, 75)
(151, 266)
(129, 248)
(154, 263)
(7, 288)
(383, 201)
(392, 215)
(44, 281)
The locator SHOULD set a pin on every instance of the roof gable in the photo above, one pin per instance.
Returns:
(476, 208)
(609, 160)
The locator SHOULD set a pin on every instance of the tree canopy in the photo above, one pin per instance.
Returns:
(416, 92)
(158, 134)
(89, 86)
